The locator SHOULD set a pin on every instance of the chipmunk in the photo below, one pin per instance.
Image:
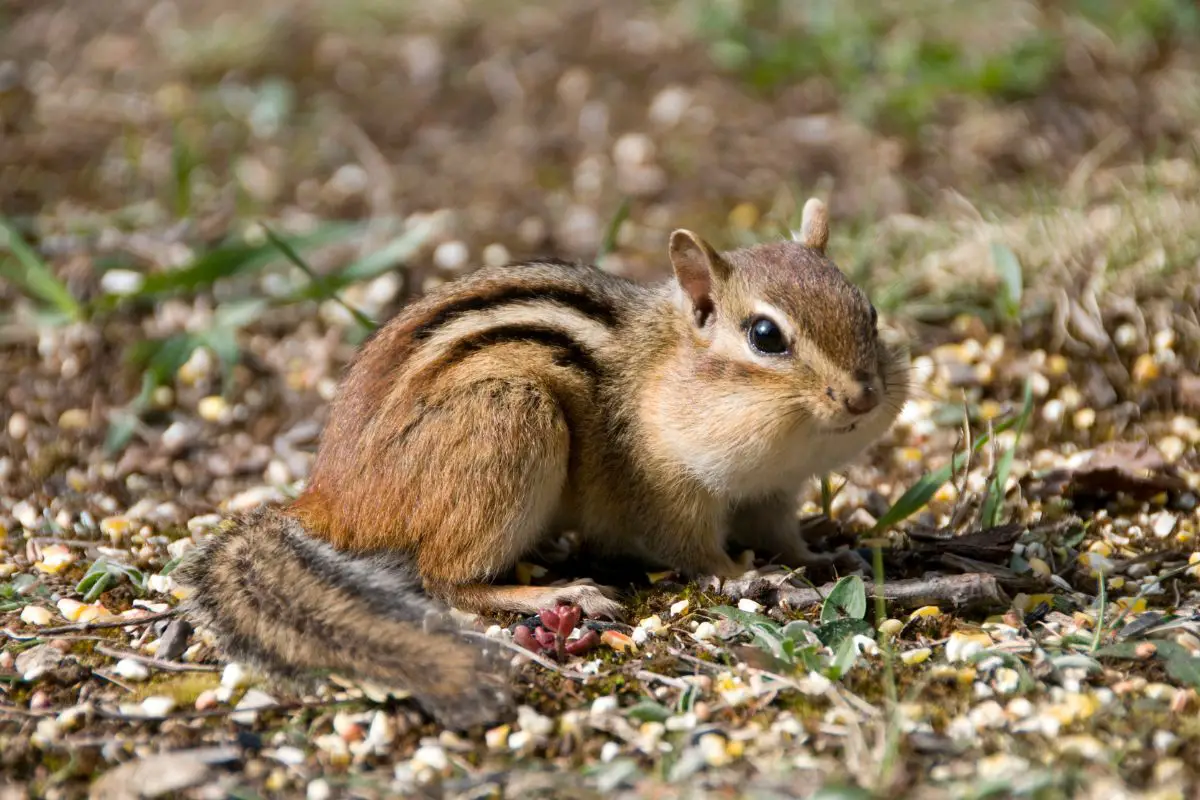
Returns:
(656, 421)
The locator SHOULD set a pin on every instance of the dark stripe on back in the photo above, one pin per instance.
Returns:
(586, 303)
(570, 353)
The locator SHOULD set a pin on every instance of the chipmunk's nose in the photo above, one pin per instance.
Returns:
(864, 400)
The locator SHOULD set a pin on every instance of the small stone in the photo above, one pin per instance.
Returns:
(36, 615)
(749, 606)
(451, 256)
(207, 700)
(18, 426)
(158, 706)
(122, 282)
(633, 149)
(29, 517)
(235, 676)
(603, 706)
(1052, 411)
(713, 748)
(431, 756)
(38, 661)
(74, 419)
(1163, 524)
(247, 708)
(318, 789)
(537, 724)
(174, 640)
(213, 408)
(1084, 418)
(496, 255)
(131, 670)
(609, 751)
(669, 105)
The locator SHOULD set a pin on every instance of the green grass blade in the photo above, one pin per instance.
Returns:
(609, 242)
(31, 274)
(1011, 280)
(317, 281)
(926, 487)
(995, 496)
(235, 258)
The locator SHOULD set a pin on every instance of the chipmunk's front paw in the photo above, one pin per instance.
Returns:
(594, 599)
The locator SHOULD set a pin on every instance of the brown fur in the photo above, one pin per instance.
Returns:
(519, 402)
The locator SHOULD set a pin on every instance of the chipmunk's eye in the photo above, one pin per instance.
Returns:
(874, 317)
(766, 338)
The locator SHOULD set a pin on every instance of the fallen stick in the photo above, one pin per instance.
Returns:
(950, 592)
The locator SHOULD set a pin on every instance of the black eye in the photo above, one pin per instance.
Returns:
(766, 338)
(874, 317)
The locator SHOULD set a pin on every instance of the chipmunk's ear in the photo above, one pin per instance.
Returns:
(698, 268)
(814, 225)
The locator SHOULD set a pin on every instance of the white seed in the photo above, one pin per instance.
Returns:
(122, 282)
(451, 255)
(131, 670)
(496, 255)
(749, 606)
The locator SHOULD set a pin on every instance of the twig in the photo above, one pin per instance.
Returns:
(157, 663)
(99, 673)
(972, 590)
(691, 659)
(654, 677)
(93, 626)
(108, 713)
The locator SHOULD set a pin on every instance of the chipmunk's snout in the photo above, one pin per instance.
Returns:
(863, 400)
(860, 396)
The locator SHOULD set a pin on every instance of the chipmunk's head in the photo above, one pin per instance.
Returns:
(785, 350)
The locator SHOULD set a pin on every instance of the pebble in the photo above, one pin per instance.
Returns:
(29, 517)
(74, 419)
(213, 408)
(247, 707)
(496, 255)
(318, 789)
(530, 720)
(235, 676)
(451, 256)
(158, 706)
(131, 670)
(603, 706)
(609, 751)
(18, 426)
(669, 105)
(432, 757)
(36, 615)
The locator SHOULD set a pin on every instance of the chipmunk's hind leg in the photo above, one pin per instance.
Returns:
(506, 443)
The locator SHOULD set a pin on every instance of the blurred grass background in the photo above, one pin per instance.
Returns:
(1014, 163)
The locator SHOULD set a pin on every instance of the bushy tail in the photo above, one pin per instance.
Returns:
(291, 605)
